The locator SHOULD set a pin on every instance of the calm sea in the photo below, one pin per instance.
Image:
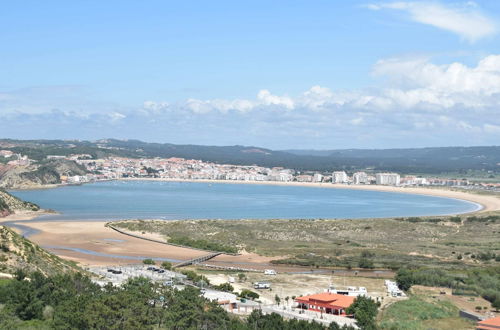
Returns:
(193, 200)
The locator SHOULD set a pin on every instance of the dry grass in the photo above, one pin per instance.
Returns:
(394, 242)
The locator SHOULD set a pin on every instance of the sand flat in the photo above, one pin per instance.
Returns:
(94, 236)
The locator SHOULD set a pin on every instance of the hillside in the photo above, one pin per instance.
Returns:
(484, 160)
(38, 174)
(17, 252)
(10, 204)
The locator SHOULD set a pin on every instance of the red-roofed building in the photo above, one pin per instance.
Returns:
(489, 324)
(329, 303)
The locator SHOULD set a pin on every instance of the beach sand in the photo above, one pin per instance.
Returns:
(94, 236)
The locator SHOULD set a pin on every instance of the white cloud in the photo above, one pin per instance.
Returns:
(416, 101)
(412, 85)
(464, 20)
(267, 98)
(115, 116)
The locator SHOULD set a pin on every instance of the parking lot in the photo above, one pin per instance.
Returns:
(117, 275)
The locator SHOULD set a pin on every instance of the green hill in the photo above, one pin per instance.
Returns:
(18, 253)
(458, 160)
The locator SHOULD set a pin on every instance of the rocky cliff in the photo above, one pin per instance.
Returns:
(10, 204)
(38, 175)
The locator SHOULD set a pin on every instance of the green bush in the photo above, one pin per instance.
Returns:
(224, 287)
(148, 262)
(202, 244)
(245, 293)
(166, 265)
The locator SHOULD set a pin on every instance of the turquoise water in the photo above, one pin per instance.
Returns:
(192, 200)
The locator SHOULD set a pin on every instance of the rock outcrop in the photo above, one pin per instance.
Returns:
(39, 175)
(10, 204)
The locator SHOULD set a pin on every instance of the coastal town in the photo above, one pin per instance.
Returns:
(250, 165)
(175, 168)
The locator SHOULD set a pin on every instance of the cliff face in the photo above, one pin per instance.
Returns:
(38, 175)
(17, 252)
(10, 204)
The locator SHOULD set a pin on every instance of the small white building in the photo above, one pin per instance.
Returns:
(317, 177)
(360, 178)
(393, 290)
(352, 291)
(339, 177)
(391, 179)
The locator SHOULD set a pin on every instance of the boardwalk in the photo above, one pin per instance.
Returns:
(197, 260)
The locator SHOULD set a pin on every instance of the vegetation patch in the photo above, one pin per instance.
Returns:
(74, 302)
(436, 242)
(416, 313)
(202, 244)
(481, 281)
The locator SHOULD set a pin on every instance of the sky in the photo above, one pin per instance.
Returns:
(315, 74)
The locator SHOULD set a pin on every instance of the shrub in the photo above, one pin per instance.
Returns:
(224, 287)
(166, 265)
(148, 262)
(245, 293)
(202, 244)
(365, 263)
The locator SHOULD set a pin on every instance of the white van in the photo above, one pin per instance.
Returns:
(270, 272)
(262, 285)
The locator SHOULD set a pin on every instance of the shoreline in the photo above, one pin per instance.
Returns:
(94, 236)
(485, 203)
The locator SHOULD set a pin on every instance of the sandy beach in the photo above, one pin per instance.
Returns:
(486, 203)
(108, 245)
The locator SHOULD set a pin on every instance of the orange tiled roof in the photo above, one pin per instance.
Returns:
(332, 299)
(489, 324)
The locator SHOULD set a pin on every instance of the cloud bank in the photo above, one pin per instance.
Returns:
(416, 103)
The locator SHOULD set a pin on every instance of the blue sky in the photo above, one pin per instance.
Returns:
(278, 74)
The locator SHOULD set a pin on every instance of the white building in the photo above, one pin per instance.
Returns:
(339, 177)
(392, 179)
(414, 181)
(393, 290)
(317, 177)
(360, 178)
(349, 291)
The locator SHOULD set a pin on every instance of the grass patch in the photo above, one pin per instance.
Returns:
(4, 281)
(418, 313)
(422, 242)
(202, 244)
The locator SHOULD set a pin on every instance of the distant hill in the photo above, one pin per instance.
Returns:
(422, 160)
(44, 172)
(413, 160)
